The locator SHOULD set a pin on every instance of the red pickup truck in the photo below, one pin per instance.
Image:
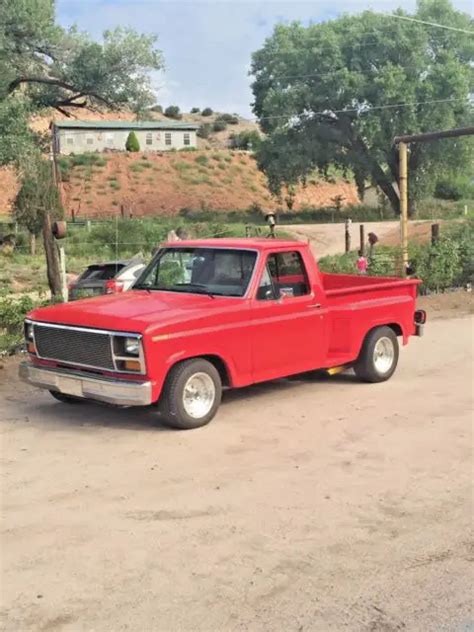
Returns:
(208, 314)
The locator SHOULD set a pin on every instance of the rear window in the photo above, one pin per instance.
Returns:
(101, 272)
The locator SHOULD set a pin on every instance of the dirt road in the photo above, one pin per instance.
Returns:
(328, 239)
(308, 504)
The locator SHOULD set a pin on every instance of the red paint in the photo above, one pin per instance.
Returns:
(256, 340)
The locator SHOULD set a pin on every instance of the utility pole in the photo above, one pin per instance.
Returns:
(403, 142)
(402, 153)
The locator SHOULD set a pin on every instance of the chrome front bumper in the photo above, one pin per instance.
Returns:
(75, 383)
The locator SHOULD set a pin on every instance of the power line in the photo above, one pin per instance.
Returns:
(362, 111)
(358, 72)
(433, 24)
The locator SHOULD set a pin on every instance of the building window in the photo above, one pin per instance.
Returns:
(149, 138)
(89, 140)
(109, 140)
(187, 139)
(168, 138)
(69, 140)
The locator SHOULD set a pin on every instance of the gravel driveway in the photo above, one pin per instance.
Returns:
(308, 504)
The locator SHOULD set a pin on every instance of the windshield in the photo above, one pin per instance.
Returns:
(213, 271)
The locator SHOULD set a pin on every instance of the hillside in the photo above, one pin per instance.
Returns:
(167, 182)
(97, 185)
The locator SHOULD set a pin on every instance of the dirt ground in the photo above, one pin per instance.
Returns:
(307, 504)
(329, 239)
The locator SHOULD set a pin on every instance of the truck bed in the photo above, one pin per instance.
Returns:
(336, 285)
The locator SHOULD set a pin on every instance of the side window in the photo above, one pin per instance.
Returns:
(168, 138)
(186, 139)
(149, 138)
(287, 274)
(266, 291)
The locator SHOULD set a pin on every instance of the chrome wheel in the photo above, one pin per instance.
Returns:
(199, 394)
(384, 355)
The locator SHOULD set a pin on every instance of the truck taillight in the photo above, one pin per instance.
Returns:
(112, 286)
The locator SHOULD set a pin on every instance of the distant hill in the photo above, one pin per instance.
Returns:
(213, 177)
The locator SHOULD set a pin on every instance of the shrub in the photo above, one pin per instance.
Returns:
(195, 110)
(204, 131)
(219, 126)
(157, 108)
(173, 112)
(132, 143)
(454, 188)
(202, 160)
(12, 315)
(207, 112)
(231, 119)
(248, 139)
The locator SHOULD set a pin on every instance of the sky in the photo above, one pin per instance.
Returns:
(207, 45)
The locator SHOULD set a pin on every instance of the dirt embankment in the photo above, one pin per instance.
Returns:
(173, 180)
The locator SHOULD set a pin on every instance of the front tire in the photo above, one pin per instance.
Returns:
(191, 395)
(378, 358)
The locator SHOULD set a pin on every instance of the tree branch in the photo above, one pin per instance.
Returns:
(13, 85)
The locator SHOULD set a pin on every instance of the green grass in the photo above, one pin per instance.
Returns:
(182, 166)
(136, 167)
(114, 185)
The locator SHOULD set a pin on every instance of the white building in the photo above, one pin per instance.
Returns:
(77, 137)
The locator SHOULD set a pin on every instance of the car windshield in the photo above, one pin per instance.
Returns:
(212, 271)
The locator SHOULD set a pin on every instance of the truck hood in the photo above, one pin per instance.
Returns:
(135, 311)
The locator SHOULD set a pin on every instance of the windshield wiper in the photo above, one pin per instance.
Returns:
(199, 288)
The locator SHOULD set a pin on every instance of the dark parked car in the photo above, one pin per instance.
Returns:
(106, 278)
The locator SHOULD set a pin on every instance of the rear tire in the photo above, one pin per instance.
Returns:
(66, 399)
(378, 358)
(191, 395)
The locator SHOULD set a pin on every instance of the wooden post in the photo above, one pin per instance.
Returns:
(434, 233)
(403, 187)
(347, 235)
(62, 259)
(362, 239)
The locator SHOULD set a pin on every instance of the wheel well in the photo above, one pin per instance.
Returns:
(397, 330)
(220, 366)
(217, 362)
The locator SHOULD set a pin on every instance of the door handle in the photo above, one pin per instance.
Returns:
(314, 306)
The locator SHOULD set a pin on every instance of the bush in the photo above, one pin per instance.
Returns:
(195, 110)
(207, 112)
(248, 139)
(202, 160)
(231, 119)
(157, 108)
(132, 143)
(454, 188)
(173, 112)
(12, 315)
(204, 131)
(219, 126)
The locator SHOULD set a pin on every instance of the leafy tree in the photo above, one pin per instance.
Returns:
(231, 119)
(157, 108)
(132, 143)
(44, 65)
(195, 110)
(38, 200)
(173, 111)
(327, 94)
(207, 112)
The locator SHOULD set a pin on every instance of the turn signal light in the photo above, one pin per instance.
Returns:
(132, 365)
(31, 347)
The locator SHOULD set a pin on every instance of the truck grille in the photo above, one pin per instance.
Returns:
(74, 346)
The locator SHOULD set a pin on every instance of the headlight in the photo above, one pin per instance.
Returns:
(131, 346)
(29, 337)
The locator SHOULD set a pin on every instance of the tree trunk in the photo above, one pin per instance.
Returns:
(32, 244)
(52, 259)
(383, 181)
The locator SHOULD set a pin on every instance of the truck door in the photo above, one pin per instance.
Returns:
(288, 322)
